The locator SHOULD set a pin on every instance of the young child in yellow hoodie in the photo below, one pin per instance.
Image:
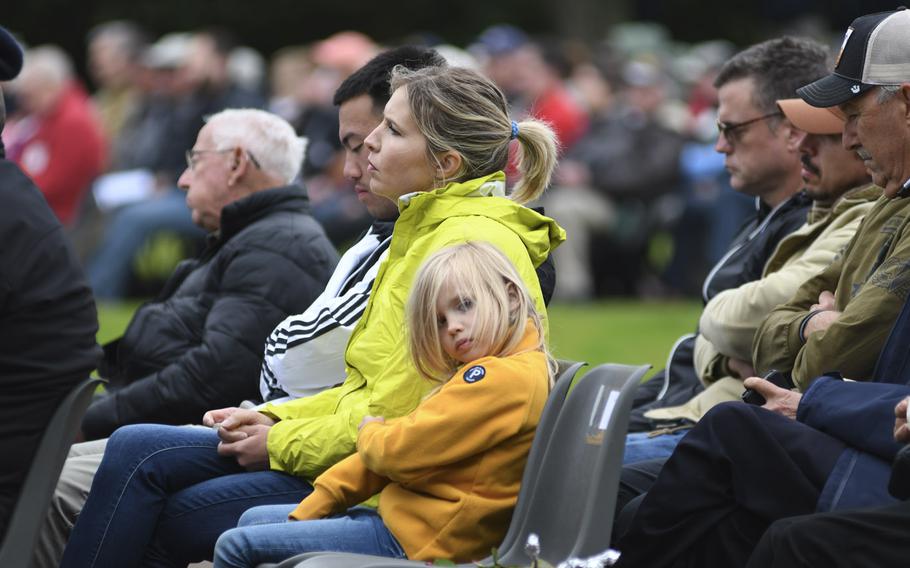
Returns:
(447, 474)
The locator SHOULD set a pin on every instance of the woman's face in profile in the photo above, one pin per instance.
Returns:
(398, 162)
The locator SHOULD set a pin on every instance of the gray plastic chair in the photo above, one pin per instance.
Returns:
(578, 475)
(566, 372)
(35, 496)
(597, 523)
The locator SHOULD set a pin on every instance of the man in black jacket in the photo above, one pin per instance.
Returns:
(47, 315)
(199, 344)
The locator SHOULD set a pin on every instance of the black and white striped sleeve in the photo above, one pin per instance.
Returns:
(305, 353)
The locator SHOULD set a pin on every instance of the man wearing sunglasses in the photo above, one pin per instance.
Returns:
(199, 344)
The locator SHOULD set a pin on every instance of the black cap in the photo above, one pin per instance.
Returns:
(10, 56)
(866, 59)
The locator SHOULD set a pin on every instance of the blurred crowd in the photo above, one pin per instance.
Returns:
(640, 189)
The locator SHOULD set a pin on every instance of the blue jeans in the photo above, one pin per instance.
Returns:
(264, 534)
(162, 496)
(640, 447)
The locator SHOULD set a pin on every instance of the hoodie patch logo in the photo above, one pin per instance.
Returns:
(474, 374)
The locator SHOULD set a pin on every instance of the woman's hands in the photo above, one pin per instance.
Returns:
(244, 435)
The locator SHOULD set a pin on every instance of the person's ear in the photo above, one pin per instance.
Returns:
(514, 297)
(792, 135)
(239, 164)
(795, 137)
(904, 95)
(448, 165)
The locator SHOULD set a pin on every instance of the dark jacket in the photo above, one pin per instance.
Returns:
(861, 415)
(48, 320)
(199, 345)
(753, 245)
(47, 326)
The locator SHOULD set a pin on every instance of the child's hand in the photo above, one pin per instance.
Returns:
(367, 419)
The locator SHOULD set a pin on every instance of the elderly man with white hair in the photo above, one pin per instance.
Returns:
(199, 344)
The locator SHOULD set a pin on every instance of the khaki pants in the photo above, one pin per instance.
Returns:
(72, 490)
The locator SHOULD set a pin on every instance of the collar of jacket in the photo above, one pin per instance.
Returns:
(855, 196)
(540, 234)
(530, 341)
(383, 228)
(798, 199)
(493, 184)
(241, 213)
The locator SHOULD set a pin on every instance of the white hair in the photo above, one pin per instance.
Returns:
(269, 138)
(50, 63)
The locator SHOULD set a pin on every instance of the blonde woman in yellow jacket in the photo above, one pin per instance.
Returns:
(439, 154)
(448, 473)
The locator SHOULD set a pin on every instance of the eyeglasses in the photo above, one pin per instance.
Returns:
(732, 131)
(192, 157)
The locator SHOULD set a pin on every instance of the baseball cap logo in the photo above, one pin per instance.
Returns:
(854, 89)
(842, 46)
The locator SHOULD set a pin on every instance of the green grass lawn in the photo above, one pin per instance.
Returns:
(613, 331)
(620, 331)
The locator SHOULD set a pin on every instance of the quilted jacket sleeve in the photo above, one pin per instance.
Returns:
(259, 286)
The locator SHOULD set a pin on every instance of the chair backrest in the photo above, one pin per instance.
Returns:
(585, 437)
(35, 496)
(566, 373)
(597, 523)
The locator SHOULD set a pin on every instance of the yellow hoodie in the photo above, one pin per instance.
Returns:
(448, 472)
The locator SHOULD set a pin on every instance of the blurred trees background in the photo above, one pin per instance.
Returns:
(269, 24)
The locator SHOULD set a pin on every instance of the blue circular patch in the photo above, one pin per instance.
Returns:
(474, 374)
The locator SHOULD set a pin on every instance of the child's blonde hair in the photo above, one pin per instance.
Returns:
(503, 307)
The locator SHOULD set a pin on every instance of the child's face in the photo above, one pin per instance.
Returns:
(455, 316)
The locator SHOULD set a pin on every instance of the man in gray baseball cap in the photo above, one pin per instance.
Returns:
(47, 315)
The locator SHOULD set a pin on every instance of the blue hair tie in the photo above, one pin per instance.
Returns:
(514, 131)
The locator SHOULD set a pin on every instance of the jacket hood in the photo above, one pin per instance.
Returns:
(539, 233)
